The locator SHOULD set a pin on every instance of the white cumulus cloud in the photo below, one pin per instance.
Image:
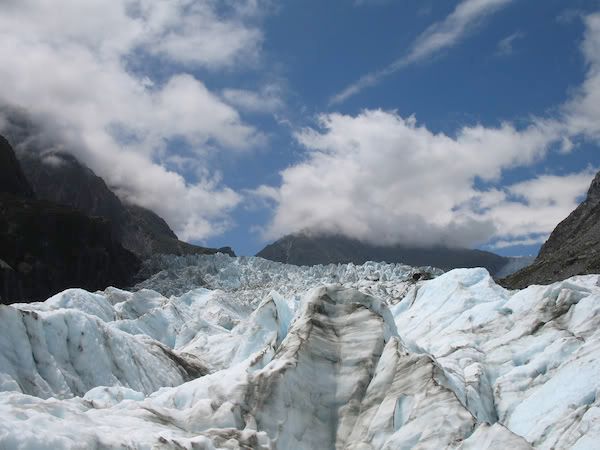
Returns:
(385, 179)
(85, 68)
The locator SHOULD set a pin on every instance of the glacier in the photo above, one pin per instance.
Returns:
(215, 352)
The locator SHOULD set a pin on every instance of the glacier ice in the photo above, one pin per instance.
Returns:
(219, 352)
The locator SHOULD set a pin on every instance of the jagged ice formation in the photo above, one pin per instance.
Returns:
(219, 352)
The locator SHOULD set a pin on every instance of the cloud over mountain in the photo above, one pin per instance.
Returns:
(384, 178)
(86, 69)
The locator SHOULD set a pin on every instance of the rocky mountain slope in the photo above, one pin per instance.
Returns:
(13, 180)
(61, 178)
(273, 356)
(573, 248)
(45, 247)
(58, 176)
(304, 249)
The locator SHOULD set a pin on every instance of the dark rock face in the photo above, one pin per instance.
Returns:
(49, 248)
(12, 179)
(149, 234)
(61, 178)
(573, 248)
(46, 248)
(308, 250)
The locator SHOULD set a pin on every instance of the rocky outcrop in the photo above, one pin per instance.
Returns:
(46, 248)
(61, 178)
(304, 249)
(12, 179)
(49, 248)
(573, 248)
(148, 234)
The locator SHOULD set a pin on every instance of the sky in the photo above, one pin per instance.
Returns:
(467, 123)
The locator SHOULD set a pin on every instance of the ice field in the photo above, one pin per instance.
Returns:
(216, 352)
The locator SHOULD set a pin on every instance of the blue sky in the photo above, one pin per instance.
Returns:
(468, 122)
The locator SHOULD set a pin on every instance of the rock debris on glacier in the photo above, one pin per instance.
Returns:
(219, 352)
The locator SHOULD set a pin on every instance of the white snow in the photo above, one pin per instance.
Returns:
(219, 352)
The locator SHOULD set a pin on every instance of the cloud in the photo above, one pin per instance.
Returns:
(570, 15)
(386, 179)
(383, 178)
(266, 101)
(437, 37)
(194, 34)
(525, 242)
(86, 70)
(582, 112)
(505, 46)
(531, 209)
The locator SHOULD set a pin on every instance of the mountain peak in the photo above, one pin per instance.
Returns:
(593, 194)
(573, 248)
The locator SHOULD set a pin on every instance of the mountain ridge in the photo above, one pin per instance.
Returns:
(308, 249)
(57, 175)
(573, 248)
(60, 177)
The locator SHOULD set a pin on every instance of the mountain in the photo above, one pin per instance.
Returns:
(61, 178)
(573, 248)
(272, 356)
(304, 249)
(12, 179)
(55, 174)
(45, 247)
